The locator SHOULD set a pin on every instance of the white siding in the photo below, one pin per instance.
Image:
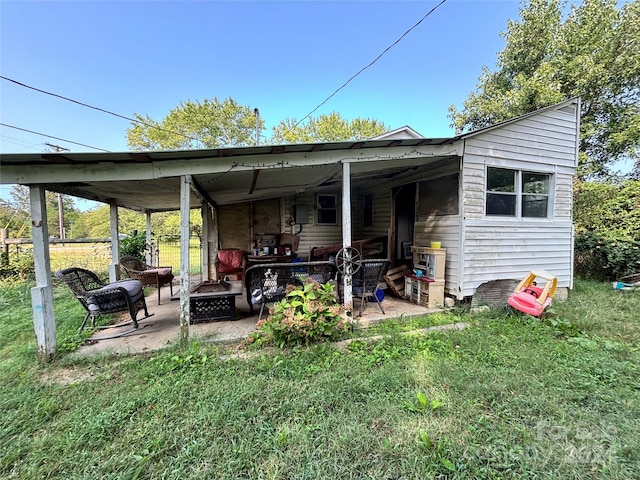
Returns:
(499, 248)
(381, 215)
(312, 235)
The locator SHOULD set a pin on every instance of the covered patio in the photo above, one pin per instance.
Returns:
(267, 179)
(163, 328)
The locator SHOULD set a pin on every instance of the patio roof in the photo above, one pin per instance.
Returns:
(150, 181)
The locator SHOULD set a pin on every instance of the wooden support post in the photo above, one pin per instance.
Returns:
(149, 252)
(4, 256)
(114, 270)
(185, 194)
(346, 230)
(44, 322)
(205, 211)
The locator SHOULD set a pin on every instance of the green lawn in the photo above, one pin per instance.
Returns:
(509, 397)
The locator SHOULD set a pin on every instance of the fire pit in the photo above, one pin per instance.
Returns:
(213, 301)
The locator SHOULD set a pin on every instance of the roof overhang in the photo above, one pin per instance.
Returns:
(150, 181)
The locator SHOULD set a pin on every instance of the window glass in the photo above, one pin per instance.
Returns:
(501, 180)
(499, 204)
(535, 206)
(439, 196)
(535, 183)
(514, 193)
(327, 209)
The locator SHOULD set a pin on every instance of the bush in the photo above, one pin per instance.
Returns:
(19, 266)
(606, 259)
(134, 245)
(308, 313)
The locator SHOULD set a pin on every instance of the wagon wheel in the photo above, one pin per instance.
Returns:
(348, 260)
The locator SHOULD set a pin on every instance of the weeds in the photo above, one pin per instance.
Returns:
(510, 397)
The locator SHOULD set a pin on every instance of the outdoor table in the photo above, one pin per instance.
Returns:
(213, 301)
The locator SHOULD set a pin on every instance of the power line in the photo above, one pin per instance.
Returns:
(99, 109)
(364, 68)
(51, 136)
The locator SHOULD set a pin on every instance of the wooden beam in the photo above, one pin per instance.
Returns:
(185, 197)
(44, 322)
(202, 193)
(256, 172)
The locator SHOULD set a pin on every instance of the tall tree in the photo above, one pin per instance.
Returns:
(191, 125)
(326, 128)
(594, 52)
(20, 221)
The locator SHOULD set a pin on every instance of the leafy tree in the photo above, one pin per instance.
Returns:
(19, 207)
(191, 125)
(326, 128)
(608, 210)
(594, 52)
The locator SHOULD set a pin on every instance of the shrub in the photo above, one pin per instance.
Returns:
(308, 313)
(607, 259)
(17, 266)
(134, 245)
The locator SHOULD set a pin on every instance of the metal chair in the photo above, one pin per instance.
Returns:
(99, 298)
(366, 279)
(148, 275)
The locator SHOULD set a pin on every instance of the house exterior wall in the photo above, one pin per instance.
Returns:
(495, 248)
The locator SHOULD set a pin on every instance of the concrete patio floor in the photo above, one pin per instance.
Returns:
(163, 328)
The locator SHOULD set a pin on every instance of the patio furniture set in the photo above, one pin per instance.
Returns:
(264, 283)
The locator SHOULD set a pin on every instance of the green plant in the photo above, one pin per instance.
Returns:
(308, 313)
(604, 258)
(134, 245)
(17, 266)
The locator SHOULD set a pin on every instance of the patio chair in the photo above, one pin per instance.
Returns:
(230, 262)
(365, 281)
(99, 298)
(148, 275)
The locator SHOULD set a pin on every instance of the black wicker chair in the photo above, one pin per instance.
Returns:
(99, 298)
(365, 281)
(267, 283)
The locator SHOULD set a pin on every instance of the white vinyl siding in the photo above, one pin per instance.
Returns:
(495, 247)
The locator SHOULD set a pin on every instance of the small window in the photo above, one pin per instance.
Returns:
(367, 212)
(513, 193)
(327, 209)
(439, 196)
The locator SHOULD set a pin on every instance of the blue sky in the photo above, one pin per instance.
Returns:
(283, 58)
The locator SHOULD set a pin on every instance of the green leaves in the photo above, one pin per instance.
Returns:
(594, 52)
(308, 313)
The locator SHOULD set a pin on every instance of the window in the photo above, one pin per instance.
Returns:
(439, 196)
(367, 210)
(327, 209)
(515, 193)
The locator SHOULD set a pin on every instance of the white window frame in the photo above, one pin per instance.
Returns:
(519, 194)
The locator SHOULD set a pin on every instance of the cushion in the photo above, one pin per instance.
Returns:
(230, 260)
(162, 272)
(133, 288)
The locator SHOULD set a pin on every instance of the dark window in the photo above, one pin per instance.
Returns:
(327, 208)
(507, 188)
(439, 196)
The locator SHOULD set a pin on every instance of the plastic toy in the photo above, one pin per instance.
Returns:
(527, 297)
(630, 282)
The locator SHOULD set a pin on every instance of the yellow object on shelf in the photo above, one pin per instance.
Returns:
(436, 245)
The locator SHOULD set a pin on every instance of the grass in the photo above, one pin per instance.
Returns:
(509, 397)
